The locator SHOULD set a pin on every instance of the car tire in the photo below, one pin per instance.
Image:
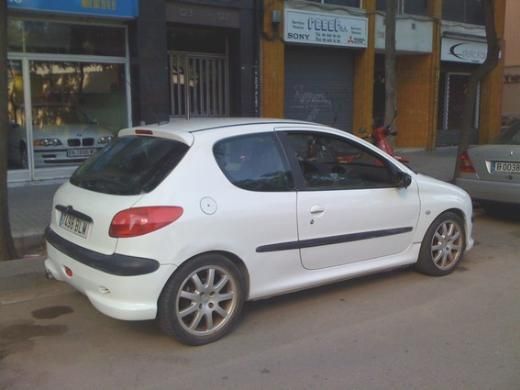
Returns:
(443, 245)
(203, 300)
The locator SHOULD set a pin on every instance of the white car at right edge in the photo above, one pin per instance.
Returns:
(184, 222)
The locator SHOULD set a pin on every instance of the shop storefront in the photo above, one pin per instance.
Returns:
(459, 57)
(212, 55)
(68, 82)
(320, 48)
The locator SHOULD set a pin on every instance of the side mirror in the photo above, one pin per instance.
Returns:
(402, 179)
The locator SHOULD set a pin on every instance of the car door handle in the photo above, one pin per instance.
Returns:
(317, 210)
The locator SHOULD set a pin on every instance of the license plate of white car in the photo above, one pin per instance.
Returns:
(80, 152)
(74, 224)
(507, 167)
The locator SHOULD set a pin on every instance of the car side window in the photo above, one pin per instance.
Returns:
(331, 162)
(254, 162)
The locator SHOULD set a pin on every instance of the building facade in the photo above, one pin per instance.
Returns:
(193, 58)
(323, 61)
(511, 103)
(80, 70)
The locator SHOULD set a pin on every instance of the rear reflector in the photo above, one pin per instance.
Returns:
(466, 165)
(143, 220)
(68, 271)
(143, 132)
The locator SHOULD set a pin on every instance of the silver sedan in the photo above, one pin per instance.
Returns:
(491, 173)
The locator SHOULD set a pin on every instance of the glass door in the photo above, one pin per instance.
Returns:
(452, 97)
(199, 85)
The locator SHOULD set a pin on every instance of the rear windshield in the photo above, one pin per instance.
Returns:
(130, 165)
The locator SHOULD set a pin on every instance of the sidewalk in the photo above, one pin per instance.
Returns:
(24, 280)
(30, 205)
(439, 164)
(29, 213)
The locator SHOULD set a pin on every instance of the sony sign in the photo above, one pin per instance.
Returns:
(457, 50)
(319, 28)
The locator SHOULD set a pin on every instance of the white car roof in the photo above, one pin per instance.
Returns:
(201, 124)
(182, 129)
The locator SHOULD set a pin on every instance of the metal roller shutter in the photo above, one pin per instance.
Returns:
(319, 85)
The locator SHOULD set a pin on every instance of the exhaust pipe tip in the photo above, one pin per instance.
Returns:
(49, 275)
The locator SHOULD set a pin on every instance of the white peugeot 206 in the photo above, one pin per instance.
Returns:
(184, 222)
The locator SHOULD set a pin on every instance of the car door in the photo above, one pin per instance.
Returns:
(349, 207)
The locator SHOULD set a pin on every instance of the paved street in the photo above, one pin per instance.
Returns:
(392, 331)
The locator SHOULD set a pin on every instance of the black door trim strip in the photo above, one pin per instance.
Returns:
(284, 246)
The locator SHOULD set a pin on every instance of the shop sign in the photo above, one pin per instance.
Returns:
(457, 50)
(319, 28)
(106, 8)
(202, 15)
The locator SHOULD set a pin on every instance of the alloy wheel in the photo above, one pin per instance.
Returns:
(447, 245)
(206, 300)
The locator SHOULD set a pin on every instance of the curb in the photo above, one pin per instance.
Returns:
(32, 243)
(27, 265)
(24, 280)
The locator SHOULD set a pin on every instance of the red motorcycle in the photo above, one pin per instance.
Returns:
(380, 136)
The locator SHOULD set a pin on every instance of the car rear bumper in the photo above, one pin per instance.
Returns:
(114, 264)
(491, 190)
(125, 297)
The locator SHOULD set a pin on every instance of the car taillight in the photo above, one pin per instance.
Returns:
(466, 166)
(143, 220)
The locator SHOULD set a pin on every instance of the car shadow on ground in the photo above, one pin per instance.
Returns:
(255, 308)
(343, 286)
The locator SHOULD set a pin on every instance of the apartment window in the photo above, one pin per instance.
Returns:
(410, 7)
(465, 11)
(348, 3)
(415, 7)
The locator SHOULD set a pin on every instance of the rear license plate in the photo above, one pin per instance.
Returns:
(74, 224)
(80, 152)
(507, 167)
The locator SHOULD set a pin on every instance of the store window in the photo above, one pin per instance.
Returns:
(29, 36)
(76, 79)
(347, 3)
(77, 107)
(410, 7)
(465, 11)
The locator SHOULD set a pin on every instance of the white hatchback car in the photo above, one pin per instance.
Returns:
(185, 221)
